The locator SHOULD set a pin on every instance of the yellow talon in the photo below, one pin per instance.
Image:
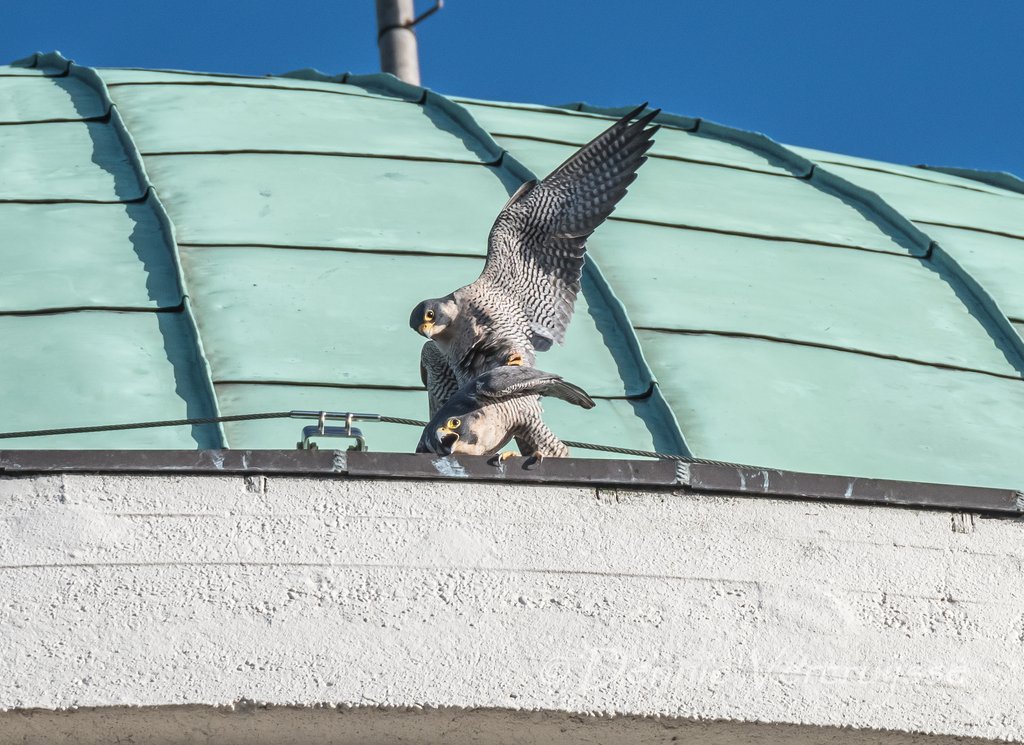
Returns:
(515, 359)
(506, 455)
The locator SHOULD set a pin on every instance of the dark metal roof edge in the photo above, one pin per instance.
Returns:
(696, 477)
(796, 485)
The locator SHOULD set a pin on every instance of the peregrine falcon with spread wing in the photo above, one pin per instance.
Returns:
(524, 298)
(501, 404)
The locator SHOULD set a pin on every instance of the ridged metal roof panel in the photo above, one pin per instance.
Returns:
(333, 317)
(793, 315)
(99, 367)
(84, 256)
(826, 411)
(913, 172)
(996, 261)
(67, 160)
(17, 71)
(192, 118)
(23, 100)
(94, 322)
(731, 284)
(930, 202)
(333, 201)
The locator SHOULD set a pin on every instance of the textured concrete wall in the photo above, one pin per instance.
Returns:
(493, 601)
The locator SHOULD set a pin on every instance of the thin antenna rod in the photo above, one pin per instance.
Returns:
(397, 41)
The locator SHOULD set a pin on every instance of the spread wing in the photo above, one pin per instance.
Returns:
(437, 376)
(513, 381)
(536, 248)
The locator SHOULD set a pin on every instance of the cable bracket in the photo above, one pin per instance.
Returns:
(321, 429)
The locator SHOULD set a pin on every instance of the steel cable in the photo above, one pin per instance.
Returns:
(288, 414)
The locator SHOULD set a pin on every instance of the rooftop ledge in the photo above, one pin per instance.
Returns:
(325, 596)
(701, 476)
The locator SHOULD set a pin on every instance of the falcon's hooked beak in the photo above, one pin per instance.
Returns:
(447, 439)
(427, 328)
(447, 435)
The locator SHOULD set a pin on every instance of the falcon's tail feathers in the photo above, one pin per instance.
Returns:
(569, 392)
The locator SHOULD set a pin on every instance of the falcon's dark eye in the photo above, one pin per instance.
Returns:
(453, 423)
(428, 315)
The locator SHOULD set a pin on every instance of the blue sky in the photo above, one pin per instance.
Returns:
(909, 81)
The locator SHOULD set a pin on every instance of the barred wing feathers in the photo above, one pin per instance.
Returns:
(536, 248)
(508, 382)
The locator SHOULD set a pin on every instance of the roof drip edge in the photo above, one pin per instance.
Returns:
(707, 477)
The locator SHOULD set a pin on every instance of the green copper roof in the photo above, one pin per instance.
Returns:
(183, 244)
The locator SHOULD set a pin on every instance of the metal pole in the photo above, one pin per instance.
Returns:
(397, 41)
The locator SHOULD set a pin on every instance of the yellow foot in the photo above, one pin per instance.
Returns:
(535, 459)
(514, 359)
(500, 458)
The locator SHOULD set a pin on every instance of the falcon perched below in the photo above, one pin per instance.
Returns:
(496, 406)
(523, 300)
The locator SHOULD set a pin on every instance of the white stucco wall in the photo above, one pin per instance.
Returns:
(714, 614)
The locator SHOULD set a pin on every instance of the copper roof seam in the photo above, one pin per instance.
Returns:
(659, 156)
(99, 119)
(760, 236)
(325, 153)
(93, 308)
(408, 252)
(71, 200)
(671, 121)
(797, 165)
(385, 387)
(311, 73)
(1004, 334)
(831, 347)
(388, 84)
(320, 384)
(898, 227)
(339, 249)
(384, 84)
(260, 86)
(906, 175)
(1000, 233)
(100, 70)
(91, 78)
(999, 179)
(891, 221)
